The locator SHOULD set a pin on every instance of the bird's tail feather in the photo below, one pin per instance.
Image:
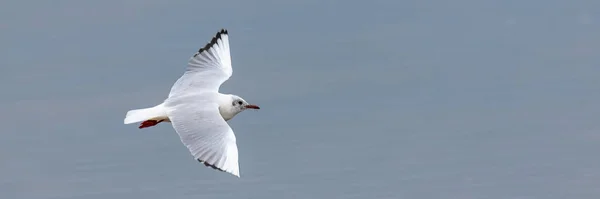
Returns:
(138, 115)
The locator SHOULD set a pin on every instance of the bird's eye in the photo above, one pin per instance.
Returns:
(240, 102)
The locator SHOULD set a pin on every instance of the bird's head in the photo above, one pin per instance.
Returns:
(239, 104)
(231, 105)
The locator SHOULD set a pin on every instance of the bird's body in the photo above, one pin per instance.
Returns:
(198, 111)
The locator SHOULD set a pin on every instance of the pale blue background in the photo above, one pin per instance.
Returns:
(461, 99)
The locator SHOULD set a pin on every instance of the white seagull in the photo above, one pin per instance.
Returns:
(198, 112)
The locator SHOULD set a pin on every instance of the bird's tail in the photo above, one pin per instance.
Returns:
(138, 115)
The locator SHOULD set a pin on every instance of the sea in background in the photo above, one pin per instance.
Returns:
(381, 99)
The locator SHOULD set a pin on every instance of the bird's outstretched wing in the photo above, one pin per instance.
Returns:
(208, 137)
(193, 107)
(207, 69)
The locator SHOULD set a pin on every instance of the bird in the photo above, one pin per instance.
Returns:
(196, 109)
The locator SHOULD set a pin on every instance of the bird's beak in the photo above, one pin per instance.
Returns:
(252, 106)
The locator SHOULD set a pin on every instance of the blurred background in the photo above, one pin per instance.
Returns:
(360, 99)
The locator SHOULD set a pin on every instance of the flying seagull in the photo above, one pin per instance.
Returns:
(196, 109)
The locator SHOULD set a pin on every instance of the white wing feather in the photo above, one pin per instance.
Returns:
(207, 136)
(207, 69)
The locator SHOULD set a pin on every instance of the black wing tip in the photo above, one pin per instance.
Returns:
(213, 41)
(223, 31)
(210, 165)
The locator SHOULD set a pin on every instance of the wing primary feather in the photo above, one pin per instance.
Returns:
(207, 69)
(212, 42)
(204, 132)
(211, 166)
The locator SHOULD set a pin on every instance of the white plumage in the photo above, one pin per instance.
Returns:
(198, 112)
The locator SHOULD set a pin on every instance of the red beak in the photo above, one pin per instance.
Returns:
(252, 106)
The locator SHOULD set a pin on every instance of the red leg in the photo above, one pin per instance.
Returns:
(149, 123)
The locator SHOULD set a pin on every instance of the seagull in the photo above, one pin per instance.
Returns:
(198, 111)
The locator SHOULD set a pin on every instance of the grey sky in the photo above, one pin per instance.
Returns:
(386, 99)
